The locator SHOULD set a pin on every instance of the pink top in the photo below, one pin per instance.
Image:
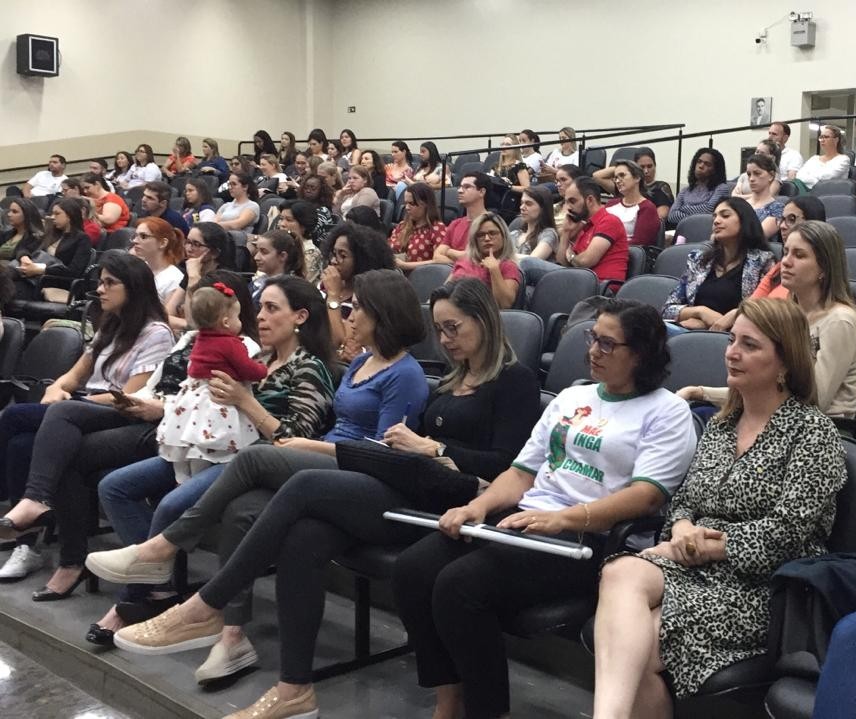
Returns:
(464, 267)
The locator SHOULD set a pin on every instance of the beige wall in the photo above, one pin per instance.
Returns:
(450, 67)
(147, 71)
(154, 69)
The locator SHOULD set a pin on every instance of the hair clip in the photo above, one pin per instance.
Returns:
(226, 290)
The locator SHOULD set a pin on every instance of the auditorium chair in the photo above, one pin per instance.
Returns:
(695, 228)
(698, 358)
(673, 260)
(426, 278)
(834, 187)
(524, 332)
(650, 289)
(838, 205)
(846, 228)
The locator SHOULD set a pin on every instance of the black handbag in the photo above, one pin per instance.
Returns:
(429, 485)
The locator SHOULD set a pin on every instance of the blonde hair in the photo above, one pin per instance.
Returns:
(516, 153)
(786, 326)
(473, 253)
(828, 249)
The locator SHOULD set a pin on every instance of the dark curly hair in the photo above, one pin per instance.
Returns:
(645, 335)
(370, 249)
(717, 177)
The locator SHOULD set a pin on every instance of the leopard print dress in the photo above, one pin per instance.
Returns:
(776, 503)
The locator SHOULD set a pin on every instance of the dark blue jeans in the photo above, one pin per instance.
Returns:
(18, 426)
(836, 690)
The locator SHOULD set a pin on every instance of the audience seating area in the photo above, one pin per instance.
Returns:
(538, 331)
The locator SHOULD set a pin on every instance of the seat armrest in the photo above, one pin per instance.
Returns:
(621, 532)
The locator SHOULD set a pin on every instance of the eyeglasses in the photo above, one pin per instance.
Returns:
(606, 344)
(109, 282)
(789, 220)
(493, 234)
(195, 244)
(143, 236)
(448, 328)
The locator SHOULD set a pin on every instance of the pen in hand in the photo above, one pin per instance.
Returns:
(406, 413)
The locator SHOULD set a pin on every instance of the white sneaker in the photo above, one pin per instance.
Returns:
(223, 662)
(23, 561)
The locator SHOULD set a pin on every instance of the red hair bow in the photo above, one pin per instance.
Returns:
(228, 291)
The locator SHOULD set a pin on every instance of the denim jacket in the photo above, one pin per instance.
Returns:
(757, 264)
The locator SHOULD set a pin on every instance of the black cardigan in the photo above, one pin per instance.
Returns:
(483, 432)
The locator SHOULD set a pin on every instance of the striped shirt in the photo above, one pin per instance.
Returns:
(152, 346)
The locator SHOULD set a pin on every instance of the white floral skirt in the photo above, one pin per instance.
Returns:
(194, 426)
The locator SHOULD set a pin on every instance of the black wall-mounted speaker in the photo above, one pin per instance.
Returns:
(38, 55)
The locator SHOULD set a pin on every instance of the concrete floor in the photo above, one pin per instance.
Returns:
(51, 637)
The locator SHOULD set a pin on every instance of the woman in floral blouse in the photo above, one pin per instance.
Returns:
(415, 238)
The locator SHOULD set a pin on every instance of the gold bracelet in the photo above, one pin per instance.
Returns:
(586, 525)
(263, 419)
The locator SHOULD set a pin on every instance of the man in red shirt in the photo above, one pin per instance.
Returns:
(471, 196)
(590, 236)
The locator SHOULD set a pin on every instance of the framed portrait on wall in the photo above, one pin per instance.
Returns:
(760, 111)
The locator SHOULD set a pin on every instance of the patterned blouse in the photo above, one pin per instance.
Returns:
(775, 503)
(299, 393)
(421, 242)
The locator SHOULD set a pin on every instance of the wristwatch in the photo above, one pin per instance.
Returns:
(440, 450)
(333, 305)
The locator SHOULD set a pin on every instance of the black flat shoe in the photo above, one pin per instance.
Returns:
(48, 595)
(136, 612)
(10, 530)
(100, 636)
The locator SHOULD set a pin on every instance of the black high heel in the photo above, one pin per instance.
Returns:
(10, 530)
(49, 595)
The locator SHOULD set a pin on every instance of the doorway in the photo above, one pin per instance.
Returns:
(828, 103)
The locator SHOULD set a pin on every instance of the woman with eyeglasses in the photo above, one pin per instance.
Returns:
(351, 250)
(132, 339)
(143, 170)
(382, 388)
(242, 212)
(479, 418)
(208, 248)
(760, 492)
(632, 206)
(294, 400)
(831, 164)
(162, 247)
(600, 454)
(489, 259)
(565, 154)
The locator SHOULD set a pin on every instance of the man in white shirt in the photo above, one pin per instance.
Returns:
(780, 132)
(47, 182)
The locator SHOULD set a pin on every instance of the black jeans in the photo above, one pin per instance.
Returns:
(98, 452)
(453, 596)
(313, 518)
(58, 442)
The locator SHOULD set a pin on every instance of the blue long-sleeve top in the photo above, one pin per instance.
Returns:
(369, 408)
